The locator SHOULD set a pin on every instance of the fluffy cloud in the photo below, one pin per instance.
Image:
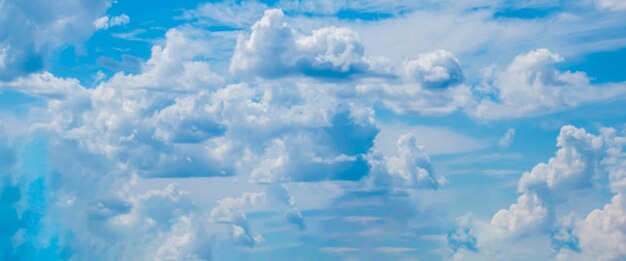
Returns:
(230, 211)
(603, 232)
(531, 84)
(574, 165)
(438, 69)
(179, 64)
(430, 85)
(177, 119)
(42, 30)
(106, 22)
(274, 49)
(410, 168)
(581, 160)
(53, 213)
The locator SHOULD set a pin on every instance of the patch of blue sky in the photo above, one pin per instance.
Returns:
(124, 47)
(525, 13)
(601, 67)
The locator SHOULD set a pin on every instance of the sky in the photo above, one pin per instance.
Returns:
(312, 130)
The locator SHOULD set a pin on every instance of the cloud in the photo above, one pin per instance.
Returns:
(177, 118)
(52, 213)
(281, 195)
(42, 30)
(394, 250)
(44, 84)
(507, 139)
(430, 85)
(329, 7)
(613, 5)
(603, 232)
(229, 14)
(573, 167)
(3, 56)
(406, 98)
(436, 140)
(274, 49)
(531, 85)
(179, 64)
(438, 69)
(338, 250)
(107, 22)
(581, 160)
(230, 211)
(409, 168)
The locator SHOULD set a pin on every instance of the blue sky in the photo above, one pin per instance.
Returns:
(312, 130)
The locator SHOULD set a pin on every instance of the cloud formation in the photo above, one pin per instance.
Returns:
(42, 30)
(106, 22)
(274, 49)
(581, 160)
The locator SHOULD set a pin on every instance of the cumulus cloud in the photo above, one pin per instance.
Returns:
(531, 85)
(603, 232)
(410, 168)
(125, 129)
(42, 30)
(231, 212)
(178, 64)
(431, 84)
(53, 213)
(437, 69)
(275, 49)
(581, 160)
(106, 22)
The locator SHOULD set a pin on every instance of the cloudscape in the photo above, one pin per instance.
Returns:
(312, 130)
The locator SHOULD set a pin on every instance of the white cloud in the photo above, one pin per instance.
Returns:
(332, 7)
(430, 85)
(437, 69)
(3, 56)
(575, 163)
(274, 49)
(581, 160)
(107, 22)
(527, 215)
(614, 5)
(31, 34)
(409, 168)
(415, 99)
(232, 14)
(531, 85)
(507, 139)
(394, 250)
(178, 64)
(231, 211)
(338, 250)
(603, 232)
(45, 84)
(436, 140)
